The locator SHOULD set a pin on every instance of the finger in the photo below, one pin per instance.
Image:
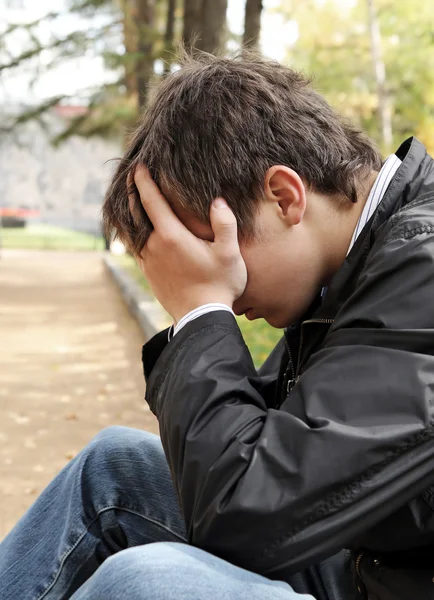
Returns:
(223, 223)
(155, 204)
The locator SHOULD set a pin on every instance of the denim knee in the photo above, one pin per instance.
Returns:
(147, 562)
(152, 567)
(177, 571)
(119, 437)
(139, 573)
(114, 464)
(158, 566)
(116, 441)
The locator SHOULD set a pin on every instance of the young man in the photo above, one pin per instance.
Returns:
(330, 446)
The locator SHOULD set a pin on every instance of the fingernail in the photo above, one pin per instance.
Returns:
(220, 203)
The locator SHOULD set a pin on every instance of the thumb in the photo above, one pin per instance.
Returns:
(223, 222)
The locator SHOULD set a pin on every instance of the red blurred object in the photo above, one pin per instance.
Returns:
(70, 112)
(18, 212)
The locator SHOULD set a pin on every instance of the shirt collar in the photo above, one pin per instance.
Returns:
(384, 177)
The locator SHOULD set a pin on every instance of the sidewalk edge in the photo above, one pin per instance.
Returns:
(144, 308)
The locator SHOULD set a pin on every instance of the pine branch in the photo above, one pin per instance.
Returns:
(37, 111)
(14, 26)
(84, 5)
(72, 129)
(32, 114)
(80, 39)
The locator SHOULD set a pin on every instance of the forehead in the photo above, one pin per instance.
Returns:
(198, 228)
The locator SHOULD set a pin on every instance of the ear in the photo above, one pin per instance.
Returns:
(285, 187)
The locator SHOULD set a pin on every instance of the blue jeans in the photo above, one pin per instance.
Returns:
(108, 527)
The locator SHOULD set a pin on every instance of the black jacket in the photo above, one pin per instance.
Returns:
(274, 482)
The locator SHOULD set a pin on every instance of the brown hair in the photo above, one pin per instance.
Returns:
(214, 128)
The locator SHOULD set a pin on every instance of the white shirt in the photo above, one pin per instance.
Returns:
(376, 195)
(384, 177)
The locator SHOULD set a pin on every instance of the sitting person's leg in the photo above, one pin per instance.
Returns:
(171, 571)
(116, 494)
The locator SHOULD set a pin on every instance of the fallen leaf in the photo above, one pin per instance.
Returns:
(20, 419)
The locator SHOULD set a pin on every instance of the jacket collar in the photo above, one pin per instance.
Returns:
(403, 188)
(413, 155)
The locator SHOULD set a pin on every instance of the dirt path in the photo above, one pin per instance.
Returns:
(69, 366)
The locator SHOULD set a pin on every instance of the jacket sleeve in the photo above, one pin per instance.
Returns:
(276, 490)
(152, 350)
(272, 371)
(269, 372)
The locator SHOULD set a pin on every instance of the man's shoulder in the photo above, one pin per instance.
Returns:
(394, 286)
(415, 218)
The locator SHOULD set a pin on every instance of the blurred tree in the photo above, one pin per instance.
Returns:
(214, 25)
(334, 45)
(137, 25)
(252, 23)
(192, 21)
(205, 24)
(169, 36)
(136, 40)
(143, 13)
(383, 105)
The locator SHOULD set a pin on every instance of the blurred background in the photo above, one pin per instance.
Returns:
(74, 76)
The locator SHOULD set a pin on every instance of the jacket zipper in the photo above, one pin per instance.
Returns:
(361, 588)
(297, 374)
(357, 563)
(290, 382)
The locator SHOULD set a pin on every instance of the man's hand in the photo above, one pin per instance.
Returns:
(185, 272)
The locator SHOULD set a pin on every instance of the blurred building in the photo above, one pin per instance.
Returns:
(65, 184)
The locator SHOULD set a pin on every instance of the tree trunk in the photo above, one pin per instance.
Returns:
(145, 47)
(384, 109)
(169, 35)
(204, 24)
(192, 22)
(139, 22)
(213, 25)
(130, 44)
(252, 24)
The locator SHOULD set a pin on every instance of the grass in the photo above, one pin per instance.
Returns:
(48, 237)
(258, 335)
(129, 265)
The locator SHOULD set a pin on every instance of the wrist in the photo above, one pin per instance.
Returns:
(214, 303)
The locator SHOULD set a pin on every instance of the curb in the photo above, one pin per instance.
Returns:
(144, 308)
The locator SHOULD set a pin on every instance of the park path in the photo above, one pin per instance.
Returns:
(69, 366)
